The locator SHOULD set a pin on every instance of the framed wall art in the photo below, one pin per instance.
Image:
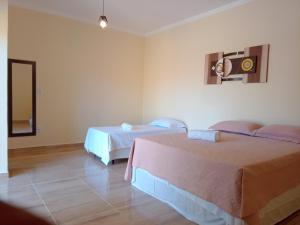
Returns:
(248, 66)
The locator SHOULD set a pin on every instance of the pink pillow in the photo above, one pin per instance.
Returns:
(280, 132)
(239, 127)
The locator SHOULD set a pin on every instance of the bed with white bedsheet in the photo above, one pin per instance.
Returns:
(111, 143)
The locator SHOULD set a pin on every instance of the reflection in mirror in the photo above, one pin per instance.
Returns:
(21, 98)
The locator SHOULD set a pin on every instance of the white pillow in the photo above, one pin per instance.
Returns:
(168, 123)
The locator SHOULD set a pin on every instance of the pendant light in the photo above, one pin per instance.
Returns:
(102, 19)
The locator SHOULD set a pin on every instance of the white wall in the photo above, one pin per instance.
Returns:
(3, 86)
(174, 67)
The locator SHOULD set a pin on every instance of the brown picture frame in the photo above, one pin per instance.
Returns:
(248, 66)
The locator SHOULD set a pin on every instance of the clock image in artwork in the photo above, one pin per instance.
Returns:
(248, 66)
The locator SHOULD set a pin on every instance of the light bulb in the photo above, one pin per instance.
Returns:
(103, 22)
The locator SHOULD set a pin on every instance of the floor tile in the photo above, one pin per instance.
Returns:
(114, 189)
(26, 198)
(53, 173)
(83, 213)
(16, 179)
(64, 194)
(73, 202)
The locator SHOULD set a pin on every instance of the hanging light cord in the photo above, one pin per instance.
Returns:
(102, 7)
(101, 10)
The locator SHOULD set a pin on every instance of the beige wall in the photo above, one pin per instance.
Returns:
(89, 77)
(22, 91)
(174, 67)
(85, 76)
(3, 86)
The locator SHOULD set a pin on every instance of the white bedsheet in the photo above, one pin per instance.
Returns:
(101, 141)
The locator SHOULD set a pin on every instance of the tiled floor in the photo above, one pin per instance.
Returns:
(67, 186)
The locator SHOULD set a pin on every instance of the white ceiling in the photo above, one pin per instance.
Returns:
(137, 16)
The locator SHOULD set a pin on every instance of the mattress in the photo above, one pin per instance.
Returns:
(109, 143)
(240, 174)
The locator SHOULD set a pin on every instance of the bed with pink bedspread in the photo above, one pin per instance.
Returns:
(240, 174)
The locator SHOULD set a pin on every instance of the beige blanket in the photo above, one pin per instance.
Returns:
(239, 174)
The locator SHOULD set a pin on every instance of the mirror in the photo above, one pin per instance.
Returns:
(21, 98)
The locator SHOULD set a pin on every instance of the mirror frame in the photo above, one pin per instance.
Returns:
(10, 100)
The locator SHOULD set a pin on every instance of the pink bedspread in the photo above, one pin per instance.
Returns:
(240, 174)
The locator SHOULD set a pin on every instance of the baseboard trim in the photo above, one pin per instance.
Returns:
(48, 147)
(4, 175)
